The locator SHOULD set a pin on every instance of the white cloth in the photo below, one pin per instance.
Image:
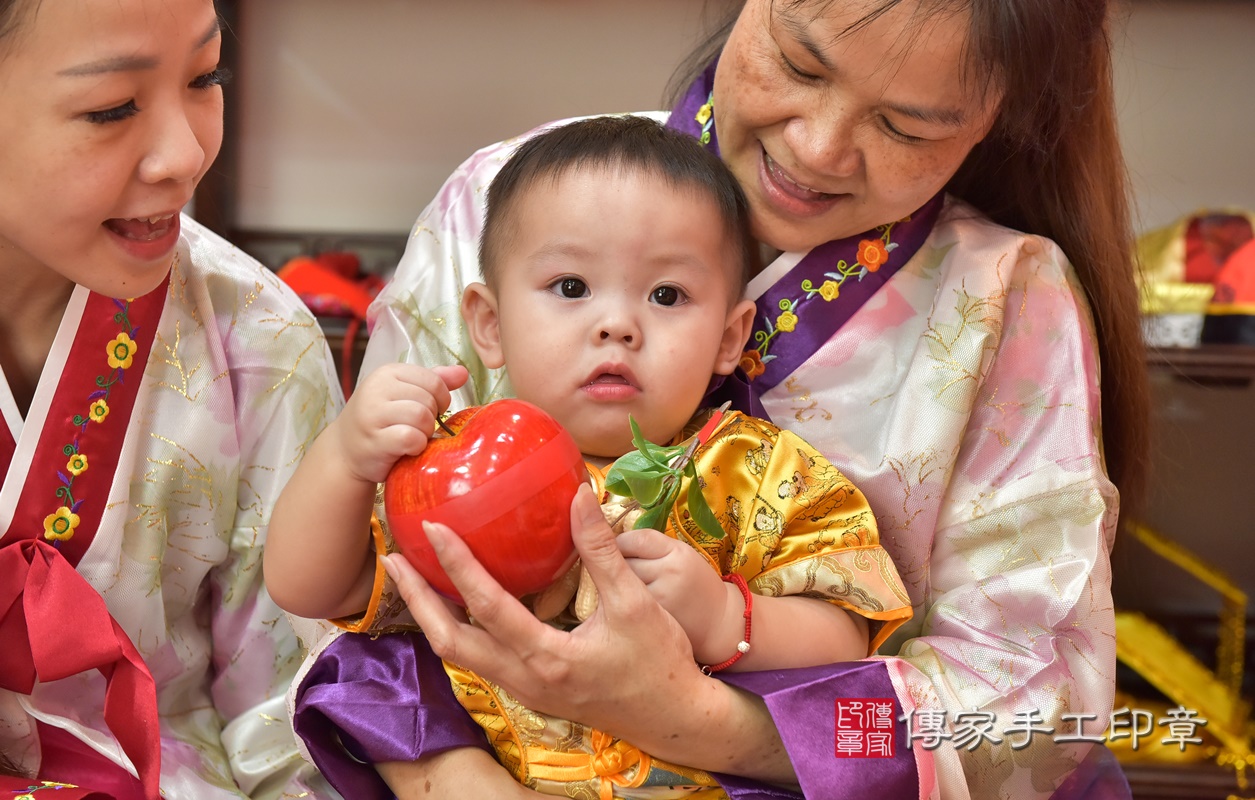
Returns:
(238, 383)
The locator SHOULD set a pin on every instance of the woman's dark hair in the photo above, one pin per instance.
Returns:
(8, 18)
(1051, 166)
(624, 144)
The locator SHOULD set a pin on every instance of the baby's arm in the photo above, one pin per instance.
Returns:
(785, 631)
(318, 560)
(474, 772)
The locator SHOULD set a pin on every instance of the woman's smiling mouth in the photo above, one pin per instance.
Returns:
(146, 238)
(789, 196)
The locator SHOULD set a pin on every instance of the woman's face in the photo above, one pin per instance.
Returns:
(110, 113)
(833, 133)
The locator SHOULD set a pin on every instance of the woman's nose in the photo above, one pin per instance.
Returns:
(176, 152)
(825, 144)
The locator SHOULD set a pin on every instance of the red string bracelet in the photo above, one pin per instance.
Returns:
(743, 646)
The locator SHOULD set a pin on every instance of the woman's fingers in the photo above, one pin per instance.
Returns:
(590, 674)
(429, 609)
(508, 632)
(618, 588)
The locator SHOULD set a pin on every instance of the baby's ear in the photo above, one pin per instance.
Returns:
(479, 310)
(736, 332)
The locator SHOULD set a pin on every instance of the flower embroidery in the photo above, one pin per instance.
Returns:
(872, 253)
(98, 411)
(121, 351)
(706, 118)
(752, 364)
(120, 355)
(60, 524)
(30, 790)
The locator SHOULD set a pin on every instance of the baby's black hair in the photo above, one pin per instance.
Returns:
(626, 143)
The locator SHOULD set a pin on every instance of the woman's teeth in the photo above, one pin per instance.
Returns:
(142, 228)
(782, 177)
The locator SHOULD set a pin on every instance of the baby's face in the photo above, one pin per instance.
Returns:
(619, 294)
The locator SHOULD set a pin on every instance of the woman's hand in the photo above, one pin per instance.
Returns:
(576, 675)
(628, 669)
(467, 773)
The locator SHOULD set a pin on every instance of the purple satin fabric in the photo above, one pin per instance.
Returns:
(389, 699)
(372, 700)
(818, 324)
(735, 389)
(802, 703)
(683, 116)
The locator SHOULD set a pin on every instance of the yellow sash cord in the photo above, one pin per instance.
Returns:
(610, 761)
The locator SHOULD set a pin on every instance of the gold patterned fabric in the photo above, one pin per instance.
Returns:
(793, 526)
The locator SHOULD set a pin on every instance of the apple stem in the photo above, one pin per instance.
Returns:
(628, 508)
(445, 427)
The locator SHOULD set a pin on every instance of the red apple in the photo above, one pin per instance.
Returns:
(504, 484)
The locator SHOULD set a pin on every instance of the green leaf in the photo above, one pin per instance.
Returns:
(644, 487)
(638, 439)
(700, 511)
(655, 453)
(629, 462)
(655, 518)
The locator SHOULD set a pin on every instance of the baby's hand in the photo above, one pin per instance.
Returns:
(681, 579)
(391, 414)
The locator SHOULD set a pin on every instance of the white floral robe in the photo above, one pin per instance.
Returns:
(238, 383)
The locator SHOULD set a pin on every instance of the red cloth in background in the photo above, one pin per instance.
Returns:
(1210, 241)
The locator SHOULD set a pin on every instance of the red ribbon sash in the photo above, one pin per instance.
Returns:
(54, 625)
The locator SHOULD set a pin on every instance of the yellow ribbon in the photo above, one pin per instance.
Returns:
(611, 761)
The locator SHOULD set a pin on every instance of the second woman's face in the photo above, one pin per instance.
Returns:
(833, 132)
(110, 113)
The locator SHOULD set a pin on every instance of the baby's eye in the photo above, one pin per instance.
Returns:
(666, 296)
(572, 288)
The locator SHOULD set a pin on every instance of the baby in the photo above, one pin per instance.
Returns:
(615, 257)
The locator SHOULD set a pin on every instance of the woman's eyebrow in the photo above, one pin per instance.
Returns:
(949, 117)
(798, 30)
(133, 63)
